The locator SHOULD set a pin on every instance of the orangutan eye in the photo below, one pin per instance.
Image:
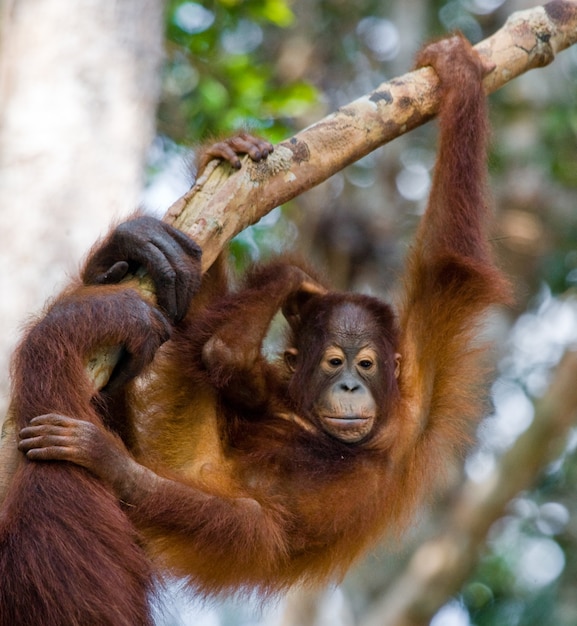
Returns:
(366, 364)
(335, 362)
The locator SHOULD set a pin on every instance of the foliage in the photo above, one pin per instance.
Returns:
(217, 77)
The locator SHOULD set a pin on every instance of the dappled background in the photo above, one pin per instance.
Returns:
(275, 66)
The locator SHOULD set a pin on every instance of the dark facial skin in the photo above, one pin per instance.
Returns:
(349, 368)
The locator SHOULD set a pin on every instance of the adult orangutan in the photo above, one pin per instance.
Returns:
(247, 474)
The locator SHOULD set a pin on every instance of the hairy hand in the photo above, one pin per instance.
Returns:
(54, 437)
(169, 256)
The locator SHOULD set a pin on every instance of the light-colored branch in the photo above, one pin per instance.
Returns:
(440, 566)
(221, 204)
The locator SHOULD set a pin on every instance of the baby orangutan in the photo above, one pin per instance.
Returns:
(240, 473)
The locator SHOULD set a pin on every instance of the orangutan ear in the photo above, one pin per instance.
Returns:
(397, 364)
(290, 358)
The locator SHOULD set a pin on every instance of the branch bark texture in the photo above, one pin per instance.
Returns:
(222, 203)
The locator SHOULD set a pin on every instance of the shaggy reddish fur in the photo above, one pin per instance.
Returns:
(317, 503)
(68, 554)
(249, 492)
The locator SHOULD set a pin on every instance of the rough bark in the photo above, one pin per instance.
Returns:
(222, 203)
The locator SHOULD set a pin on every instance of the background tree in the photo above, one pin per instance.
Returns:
(276, 67)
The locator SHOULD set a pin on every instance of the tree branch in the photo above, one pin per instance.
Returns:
(224, 202)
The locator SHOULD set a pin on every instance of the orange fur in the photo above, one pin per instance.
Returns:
(318, 504)
(238, 487)
(68, 554)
